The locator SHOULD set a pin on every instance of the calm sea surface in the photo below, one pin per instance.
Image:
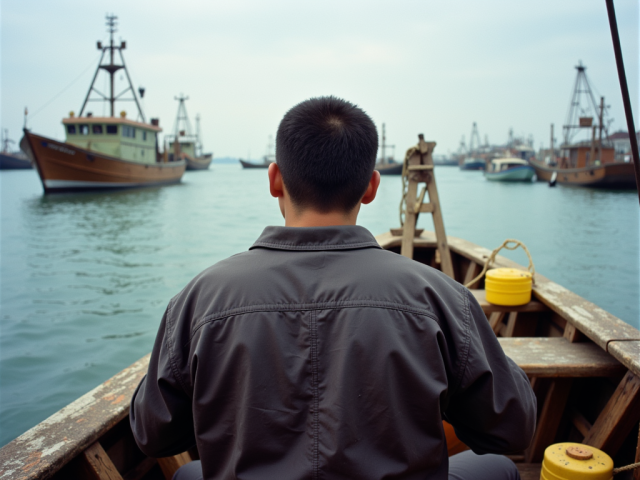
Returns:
(85, 278)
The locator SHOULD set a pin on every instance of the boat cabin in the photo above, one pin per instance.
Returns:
(585, 155)
(502, 164)
(187, 144)
(117, 137)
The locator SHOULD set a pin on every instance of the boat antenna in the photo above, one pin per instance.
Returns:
(111, 68)
(182, 127)
(579, 116)
(198, 142)
(474, 140)
(633, 139)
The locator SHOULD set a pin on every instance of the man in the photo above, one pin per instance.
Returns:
(317, 354)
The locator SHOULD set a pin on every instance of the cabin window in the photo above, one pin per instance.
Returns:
(97, 129)
(112, 129)
(71, 129)
(83, 129)
(142, 152)
(128, 131)
(144, 135)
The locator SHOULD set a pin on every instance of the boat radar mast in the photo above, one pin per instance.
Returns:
(112, 68)
(583, 109)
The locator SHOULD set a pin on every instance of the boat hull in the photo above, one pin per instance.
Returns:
(198, 163)
(472, 166)
(390, 169)
(253, 165)
(616, 175)
(13, 162)
(516, 174)
(63, 167)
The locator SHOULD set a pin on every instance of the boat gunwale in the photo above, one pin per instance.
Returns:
(609, 332)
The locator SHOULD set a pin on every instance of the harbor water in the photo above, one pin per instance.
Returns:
(85, 278)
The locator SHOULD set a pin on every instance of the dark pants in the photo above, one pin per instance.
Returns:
(463, 466)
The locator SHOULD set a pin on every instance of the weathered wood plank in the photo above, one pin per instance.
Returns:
(557, 357)
(481, 297)
(43, 450)
(529, 471)
(580, 422)
(169, 465)
(100, 464)
(547, 427)
(628, 353)
(618, 417)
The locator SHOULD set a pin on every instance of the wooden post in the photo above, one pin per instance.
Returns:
(99, 464)
(418, 168)
(618, 416)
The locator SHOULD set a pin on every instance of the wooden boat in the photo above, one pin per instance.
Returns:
(583, 362)
(12, 160)
(589, 163)
(389, 168)
(509, 170)
(265, 163)
(386, 165)
(102, 152)
(613, 175)
(185, 144)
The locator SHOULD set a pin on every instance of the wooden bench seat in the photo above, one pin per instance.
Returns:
(487, 308)
(557, 357)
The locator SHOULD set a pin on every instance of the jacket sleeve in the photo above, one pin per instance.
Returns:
(160, 413)
(493, 408)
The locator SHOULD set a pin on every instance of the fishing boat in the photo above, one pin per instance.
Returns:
(583, 363)
(472, 163)
(588, 163)
(101, 153)
(386, 165)
(268, 158)
(184, 144)
(509, 170)
(12, 160)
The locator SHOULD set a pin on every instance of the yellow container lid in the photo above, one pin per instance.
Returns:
(509, 275)
(574, 461)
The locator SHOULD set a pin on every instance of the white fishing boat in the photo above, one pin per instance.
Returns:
(509, 170)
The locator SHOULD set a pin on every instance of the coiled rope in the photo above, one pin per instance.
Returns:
(492, 257)
(626, 468)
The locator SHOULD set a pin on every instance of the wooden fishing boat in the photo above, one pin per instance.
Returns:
(389, 168)
(589, 163)
(186, 145)
(509, 170)
(584, 365)
(103, 152)
(471, 163)
(386, 165)
(265, 163)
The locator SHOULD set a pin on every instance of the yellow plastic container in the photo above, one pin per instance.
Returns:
(508, 286)
(559, 463)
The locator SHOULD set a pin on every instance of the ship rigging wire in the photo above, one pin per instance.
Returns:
(93, 62)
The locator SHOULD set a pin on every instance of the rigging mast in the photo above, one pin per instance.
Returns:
(474, 140)
(111, 68)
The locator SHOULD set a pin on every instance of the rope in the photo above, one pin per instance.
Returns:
(626, 468)
(492, 257)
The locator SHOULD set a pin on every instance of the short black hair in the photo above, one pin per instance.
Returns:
(326, 152)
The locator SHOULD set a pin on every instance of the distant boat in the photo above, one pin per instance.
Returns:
(267, 160)
(103, 152)
(471, 163)
(186, 145)
(265, 163)
(387, 165)
(509, 170)
(590, 163)
(12, 160)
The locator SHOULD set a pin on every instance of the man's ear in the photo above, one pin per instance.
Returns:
(372, 189)
(276, 186)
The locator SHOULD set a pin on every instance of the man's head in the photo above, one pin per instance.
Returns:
(325, 152)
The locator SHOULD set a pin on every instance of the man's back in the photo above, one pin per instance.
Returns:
(318, 355)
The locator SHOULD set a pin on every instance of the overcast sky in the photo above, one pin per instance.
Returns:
(418, 66)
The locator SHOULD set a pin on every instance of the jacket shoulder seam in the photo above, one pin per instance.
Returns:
(467, 338)
(174, 367)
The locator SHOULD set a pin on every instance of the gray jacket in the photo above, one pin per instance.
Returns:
(317, 354)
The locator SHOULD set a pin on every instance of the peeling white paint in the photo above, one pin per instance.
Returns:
(53, 448)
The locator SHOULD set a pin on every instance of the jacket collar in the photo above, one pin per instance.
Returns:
(344, 237)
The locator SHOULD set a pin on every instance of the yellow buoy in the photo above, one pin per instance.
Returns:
(574, 461)
(508, 286)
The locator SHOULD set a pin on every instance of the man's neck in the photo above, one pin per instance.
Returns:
(312, 218)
